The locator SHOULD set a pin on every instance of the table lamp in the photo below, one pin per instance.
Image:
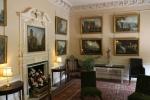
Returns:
(59, 60)
(7, 72)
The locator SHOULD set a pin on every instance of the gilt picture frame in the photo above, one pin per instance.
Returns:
(3, 12)
(126, 46)
(35, 39)
(3, 49)
(91, 46)
(91, 25)
(127, 23)
(61, 47)
(60, 26)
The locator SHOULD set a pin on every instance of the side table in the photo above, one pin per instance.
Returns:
(60, 70)
(13, 88)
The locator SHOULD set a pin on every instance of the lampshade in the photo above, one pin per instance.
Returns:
(59, 60)
(7, 72)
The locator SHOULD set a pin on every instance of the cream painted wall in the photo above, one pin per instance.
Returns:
(108, 34)
(12, 31)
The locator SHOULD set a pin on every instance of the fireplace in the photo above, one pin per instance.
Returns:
(33, 60)
(37, 77)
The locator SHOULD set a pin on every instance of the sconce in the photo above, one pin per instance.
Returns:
(7, 72)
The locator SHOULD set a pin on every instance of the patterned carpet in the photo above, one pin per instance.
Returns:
(110, 91)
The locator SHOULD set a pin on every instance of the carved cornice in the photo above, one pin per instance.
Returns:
(112, 4)
(35, 14)
(62, 3)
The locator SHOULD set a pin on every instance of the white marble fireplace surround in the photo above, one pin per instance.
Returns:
(27, 60)
(32, 17)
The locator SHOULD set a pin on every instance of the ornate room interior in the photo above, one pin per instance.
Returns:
(74, 49)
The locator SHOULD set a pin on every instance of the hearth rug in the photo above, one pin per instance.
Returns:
(110, 91)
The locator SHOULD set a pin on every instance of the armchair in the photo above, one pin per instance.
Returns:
(142, 91)
(72, 68)
(136, 68)
(88, 84)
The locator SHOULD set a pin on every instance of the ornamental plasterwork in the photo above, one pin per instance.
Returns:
(34, 15)
(62, 3)
(112, 4)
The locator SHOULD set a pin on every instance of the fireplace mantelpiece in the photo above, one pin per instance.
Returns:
(33, 17)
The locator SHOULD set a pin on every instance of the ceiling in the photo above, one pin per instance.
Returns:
(87, 2)
(80, 5)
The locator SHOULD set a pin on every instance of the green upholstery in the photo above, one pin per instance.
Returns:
(91, 91)
(88, 84)
(142, 91)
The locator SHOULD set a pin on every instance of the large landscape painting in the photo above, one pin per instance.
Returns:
(3, 12)
(3, 49)
(61, 47)
(91, 25)
(126, 23)
(61, 25)
(92, 46)
(36, 38)
(126, 46)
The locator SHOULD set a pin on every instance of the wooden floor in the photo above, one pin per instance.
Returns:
(57, 88)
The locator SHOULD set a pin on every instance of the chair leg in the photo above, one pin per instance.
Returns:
(82, 97)
(68, 77)
(100, 98)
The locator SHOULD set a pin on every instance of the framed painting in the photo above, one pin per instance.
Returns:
(126, 46)
(3, 49)
(127, 23)
(3, 13)
(91, 25)
(60, 26)
(91, 46)
(35, 39)
(61, 47)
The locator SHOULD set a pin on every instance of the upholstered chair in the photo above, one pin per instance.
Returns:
(142, 91)
(136, 68)
(72, 68)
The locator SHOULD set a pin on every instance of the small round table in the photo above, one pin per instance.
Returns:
(13, 88)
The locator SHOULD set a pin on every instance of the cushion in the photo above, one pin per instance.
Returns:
(138, 96)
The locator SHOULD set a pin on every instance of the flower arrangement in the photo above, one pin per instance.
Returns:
(37, 78)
